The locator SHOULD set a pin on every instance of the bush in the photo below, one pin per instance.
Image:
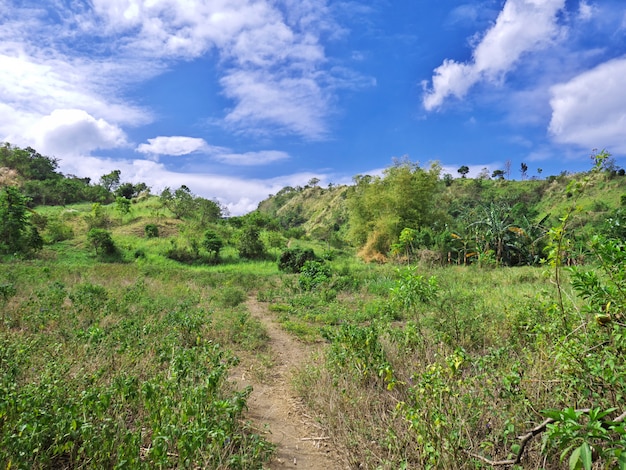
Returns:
(151, 231)
(102, 241)
(292, 260)
(250, 245)
(314, 273)
(57, 231)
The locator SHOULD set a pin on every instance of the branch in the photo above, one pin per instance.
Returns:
(525, 439)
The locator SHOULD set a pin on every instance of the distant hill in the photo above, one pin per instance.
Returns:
(372, 214)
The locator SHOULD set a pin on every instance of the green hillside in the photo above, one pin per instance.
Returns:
(466, 324)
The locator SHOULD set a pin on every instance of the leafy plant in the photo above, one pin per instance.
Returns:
(293, 259)
(102, 241)
(151, 231)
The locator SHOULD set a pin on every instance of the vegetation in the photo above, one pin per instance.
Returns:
(489, 330)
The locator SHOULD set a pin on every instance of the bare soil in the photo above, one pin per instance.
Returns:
(276, 410)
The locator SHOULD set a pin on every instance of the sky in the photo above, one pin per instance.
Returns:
(239, 98)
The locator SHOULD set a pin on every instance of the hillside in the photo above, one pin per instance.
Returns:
(153, 331)
(371, 214)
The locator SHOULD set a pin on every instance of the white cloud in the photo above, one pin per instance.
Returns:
(92, 52)
(585, 10)
(522, 26)
(174, 145)
(252, 158)
(74, 132)
(179, 145)
(590, 109)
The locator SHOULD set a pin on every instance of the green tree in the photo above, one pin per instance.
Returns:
(380, 207)
(463, 171)
(17, 233)
(497, 230)
(123, 206)
(212, 243)
(111, 180)
(498, 174)
(250, 245)
(102, 241)
(181, 202)
(208, 211)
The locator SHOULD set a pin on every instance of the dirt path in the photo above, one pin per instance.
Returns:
(275, 408)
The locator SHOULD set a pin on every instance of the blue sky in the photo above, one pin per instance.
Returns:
(239, 98)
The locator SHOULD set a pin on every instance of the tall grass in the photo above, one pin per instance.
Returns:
(115, 366)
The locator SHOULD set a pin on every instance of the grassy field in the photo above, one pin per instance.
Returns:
(123, 362)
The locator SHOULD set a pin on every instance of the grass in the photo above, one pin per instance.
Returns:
(125, 362)
(108, 365)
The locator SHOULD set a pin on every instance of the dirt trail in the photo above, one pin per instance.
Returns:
(276, 410)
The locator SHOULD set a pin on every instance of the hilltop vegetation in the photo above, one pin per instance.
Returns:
(123, 311)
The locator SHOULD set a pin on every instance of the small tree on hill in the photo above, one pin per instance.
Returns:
(17, 233)
(463, 171)
(212, 243)
(102, 241)
(250, 245)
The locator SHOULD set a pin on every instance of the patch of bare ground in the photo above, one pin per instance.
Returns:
(274, 407)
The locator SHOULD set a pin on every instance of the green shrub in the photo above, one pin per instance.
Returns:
(292, 260)
(102, 241)
(314, 273)
(151, 231)
(57, 231)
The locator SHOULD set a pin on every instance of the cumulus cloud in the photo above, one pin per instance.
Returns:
(590, 109)
(75, 132)
(174, 145)
(272, 61)
(522, 26)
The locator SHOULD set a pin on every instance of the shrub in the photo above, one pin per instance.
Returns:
(57, 231)
(292, 260)
(314, 273)
(151, 231)
(212, 243)
(102, 241)
(250, 245)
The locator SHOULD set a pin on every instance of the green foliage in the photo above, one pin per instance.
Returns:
(381, 207)
(17, 233)
(250, 245)
(313, 274)
(212, 243)
(292, 260)
(102, 241)
(123, 206)
(184, 205)
(97, 218)
(111, 181)
(151, 231)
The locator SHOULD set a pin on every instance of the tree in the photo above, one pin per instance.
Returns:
(380, 207)
(464, 170)
(102, 241)
(524, 170)
(498, 174)
(111, 181)
(212, 243)
(123, 206)
(17, 233)
(181, 202)
(208, 211)
(250, 245)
